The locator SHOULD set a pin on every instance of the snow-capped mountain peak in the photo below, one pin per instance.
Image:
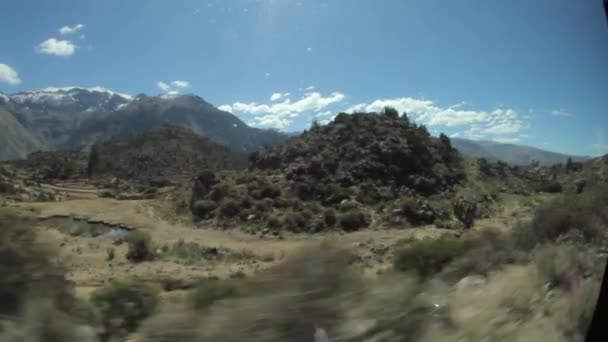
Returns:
(73, 98)
(96, 89)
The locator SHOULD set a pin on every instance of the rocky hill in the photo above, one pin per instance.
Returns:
(366, 150)
(357, 169)
(75, 118)
(162, 152)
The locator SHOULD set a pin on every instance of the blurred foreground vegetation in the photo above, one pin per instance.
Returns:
(560, 254)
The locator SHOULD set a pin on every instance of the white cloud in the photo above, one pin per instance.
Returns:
(9, 75)
(56, 47)
(173, 88)
(279, 114)
(69, 30)
(560, 112)
(512, 140)
(501, 124)
(325, 113)
(308, 49)
(356, 108)
(478, 124)
(163, 86)
(180, 84)
(277, 96)
(309, 88)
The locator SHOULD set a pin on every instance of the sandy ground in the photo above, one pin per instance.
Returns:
(86, 257)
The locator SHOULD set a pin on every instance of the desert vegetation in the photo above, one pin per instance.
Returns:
(366, 229)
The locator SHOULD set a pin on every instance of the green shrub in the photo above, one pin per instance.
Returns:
(329, 217)
(169, 327)
(264, 205)
(246, 202)
(274, 221)
(296, 221)
(305, 190)
(353, 220)
(415, 213)
(571, 214)
(140, 247)
(465, 212)
(313, 286)
(484, 251)
(448, 224)
(392, 301)
(561, 265)
(204, 208)
(190, 252)
(218, 192)
(428, 256)
(270, 191)
(25, 265)
(41, 321)
(229, 208)
(551, 187)
(124, 304)
(391, 112)
(212, 291)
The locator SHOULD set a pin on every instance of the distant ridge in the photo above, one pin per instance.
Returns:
(75, 118)
(511, 153)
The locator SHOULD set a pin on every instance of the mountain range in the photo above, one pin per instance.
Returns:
(510, 153)
(75, 118)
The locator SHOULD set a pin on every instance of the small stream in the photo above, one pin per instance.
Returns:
(77, 226)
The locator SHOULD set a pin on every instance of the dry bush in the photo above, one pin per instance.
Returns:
(229, 208)
(204, 208)
(140, 247)
(582, 214)
(484, 250)
(428, 256)
(124, 304)
(170, 327)
(353, 220)
(564, 265)
(212, 291)
(394, 303)
(26, 267)
(572, 311)
(287, 301)
(329, 217)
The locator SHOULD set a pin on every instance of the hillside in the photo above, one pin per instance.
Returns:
(15, 140)
(75, 118)
(360, 148)
(188, 111)
(343, 174)
(510, 153)
(165, 151)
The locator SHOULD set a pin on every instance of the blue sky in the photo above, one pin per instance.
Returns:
(529, 72)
